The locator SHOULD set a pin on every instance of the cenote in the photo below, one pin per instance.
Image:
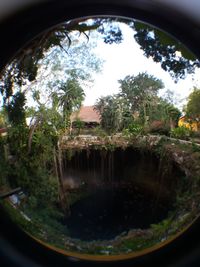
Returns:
(113, 192)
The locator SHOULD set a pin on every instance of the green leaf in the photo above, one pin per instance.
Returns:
(141, 26)
(165, 38)
(187, 53)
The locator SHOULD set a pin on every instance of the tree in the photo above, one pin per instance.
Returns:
(70, 96)
(165, 112)
(44, 49)
(115, 113)
(15, 109)
(140, 91)
(107, 108)
(3, 118)
(78, 124)
(155, 44)
(193, 105)
(35, 68)
(163, 48)
(171, 97)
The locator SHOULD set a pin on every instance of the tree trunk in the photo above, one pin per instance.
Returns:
(62, 194)
(171, 124)
(56, 170)
(145, 114)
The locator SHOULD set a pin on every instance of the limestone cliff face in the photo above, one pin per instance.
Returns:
(185, 154)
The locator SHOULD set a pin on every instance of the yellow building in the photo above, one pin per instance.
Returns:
(192, 125)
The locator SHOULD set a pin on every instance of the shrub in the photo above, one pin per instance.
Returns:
(181, 132)
(133, 129)
(159, 127)
(196, 134)
(98, 131)
(78, 124)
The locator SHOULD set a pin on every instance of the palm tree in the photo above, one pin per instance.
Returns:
(70, 96)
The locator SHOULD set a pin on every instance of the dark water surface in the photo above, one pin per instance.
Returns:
(127, 190)
(107, 213)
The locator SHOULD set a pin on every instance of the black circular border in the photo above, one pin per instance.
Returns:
(18, 249)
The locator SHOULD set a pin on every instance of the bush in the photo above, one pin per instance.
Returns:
(98, 131)
(181, 133)
(133, 129)
(196, 134)
(78, 125)
(159, 127)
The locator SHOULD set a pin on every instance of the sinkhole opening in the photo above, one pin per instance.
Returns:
(114, 192)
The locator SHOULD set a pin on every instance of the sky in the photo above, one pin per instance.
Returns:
(120, 60)
(127, 58)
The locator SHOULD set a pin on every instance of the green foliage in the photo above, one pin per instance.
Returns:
(163, 116)
(3, 118)
(162, 48)
(137, 101)
(159, 127)
(138, 243)
(33, 202)
(5, 168)
(195, 147)
(155, 44)
(19, 219)
(141, 94)
(181, 133)
(78, 124)
(43, 223)
(110, 30)
(17, 140)
(43, 190)
(172, 112)
(32, 171)
(133, 129)
(140, 89)
(69, 97)
(15, 109)
(193, 105)
(98, 131)
(162, 227)
(166, 111)
(114, 112)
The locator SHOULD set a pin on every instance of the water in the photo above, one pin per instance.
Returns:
(109, 212)
(126, 191)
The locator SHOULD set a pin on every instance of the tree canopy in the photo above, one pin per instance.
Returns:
(114, 112)
(193, 105)
(139, 89)
(159, 46)
(137, 102)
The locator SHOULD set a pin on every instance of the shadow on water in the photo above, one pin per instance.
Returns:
(127, 191)
(109, 212)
